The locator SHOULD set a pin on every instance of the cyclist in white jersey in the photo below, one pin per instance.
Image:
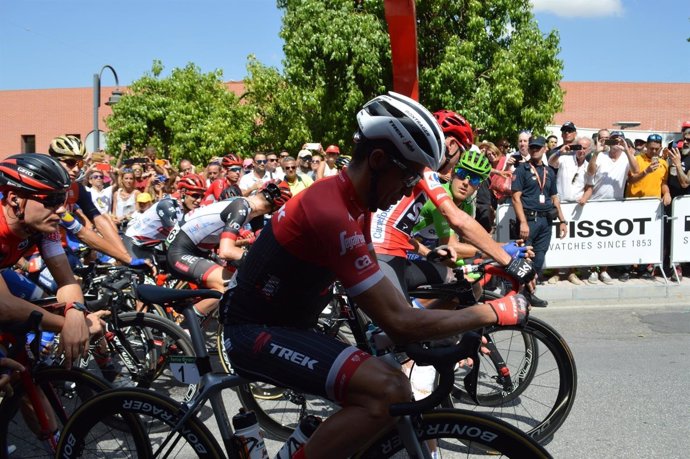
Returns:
(220, 225)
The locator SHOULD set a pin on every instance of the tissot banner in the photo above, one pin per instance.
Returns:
(602, 233)
(680, 230)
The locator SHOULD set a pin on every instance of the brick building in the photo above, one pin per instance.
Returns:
(29, 119)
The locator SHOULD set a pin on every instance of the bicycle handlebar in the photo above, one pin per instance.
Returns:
(443, 360)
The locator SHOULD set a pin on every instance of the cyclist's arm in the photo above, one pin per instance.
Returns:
(473, 232)
(235, 216)
(389, 309)
(93, 240)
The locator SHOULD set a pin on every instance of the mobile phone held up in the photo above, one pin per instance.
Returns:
(611, 141)
(576, 147)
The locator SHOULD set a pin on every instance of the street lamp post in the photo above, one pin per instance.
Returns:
(112, 100)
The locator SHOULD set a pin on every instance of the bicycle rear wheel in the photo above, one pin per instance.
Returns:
(537, 392)
(65, 391)
(147, 418)
(459, 433)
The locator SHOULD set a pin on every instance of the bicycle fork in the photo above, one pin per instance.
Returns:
(408, 436)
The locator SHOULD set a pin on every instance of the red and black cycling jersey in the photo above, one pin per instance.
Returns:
(13, 247)
(320, 235)
(391, 229)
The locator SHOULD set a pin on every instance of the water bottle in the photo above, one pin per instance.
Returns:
(248, 437)
(307, 426)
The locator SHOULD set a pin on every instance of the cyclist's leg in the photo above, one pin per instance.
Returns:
(188, 263)
(315, 363)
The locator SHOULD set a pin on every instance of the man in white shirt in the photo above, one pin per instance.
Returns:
(252, 181)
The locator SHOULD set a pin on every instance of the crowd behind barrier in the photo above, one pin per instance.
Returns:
(600, 231)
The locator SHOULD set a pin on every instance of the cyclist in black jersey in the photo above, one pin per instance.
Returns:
(323, 234)
(70, 152)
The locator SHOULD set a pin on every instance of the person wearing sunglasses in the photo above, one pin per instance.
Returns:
(326, 233)
(153, 226)
(392, 227)
(34, 191)
(69, 151)
(536, 204)
(433, 230)
(295, 181)
(570, 163)
(254, 180)
(228, 185)
(207, 247)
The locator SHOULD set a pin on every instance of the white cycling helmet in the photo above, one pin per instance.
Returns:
(406, 123)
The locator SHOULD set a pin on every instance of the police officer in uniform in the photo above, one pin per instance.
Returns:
(536, 204)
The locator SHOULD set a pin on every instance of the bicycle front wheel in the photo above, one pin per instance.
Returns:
(459, 433)
(534, 388)
(64, 389)
(145, 420)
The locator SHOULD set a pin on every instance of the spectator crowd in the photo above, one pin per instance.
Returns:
(535, 178)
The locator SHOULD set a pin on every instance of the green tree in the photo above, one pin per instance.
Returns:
(486, 60)
(186, 115)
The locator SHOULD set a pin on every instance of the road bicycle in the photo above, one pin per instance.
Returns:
(528, 379)
(164, 428)
(42, 393)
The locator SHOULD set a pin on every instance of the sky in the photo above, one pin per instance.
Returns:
(63, 43)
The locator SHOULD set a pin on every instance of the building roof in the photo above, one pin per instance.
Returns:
(659, 107)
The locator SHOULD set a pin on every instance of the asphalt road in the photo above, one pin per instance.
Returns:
(633, 396)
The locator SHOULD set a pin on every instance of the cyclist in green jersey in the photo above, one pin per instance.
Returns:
(433, 230)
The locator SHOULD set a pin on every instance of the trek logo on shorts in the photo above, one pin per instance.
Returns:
(293, 356)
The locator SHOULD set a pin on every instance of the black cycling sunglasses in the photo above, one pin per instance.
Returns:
(49, 201)
(410, 178)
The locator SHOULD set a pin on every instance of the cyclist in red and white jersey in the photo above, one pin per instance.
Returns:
(391, 228)
(228, 186)
(324, 234)
(34, 190)
(219, 226)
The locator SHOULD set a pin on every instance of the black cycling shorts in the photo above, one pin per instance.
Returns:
(137, 251)
(187, 262)
(302, 359)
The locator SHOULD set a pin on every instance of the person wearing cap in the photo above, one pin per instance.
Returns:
(651, 181)
(568, 134)
(328, 167)
(304, 164)
(535, 200)
(252, 181)
(144, 202)
(570, 163)
(639, 145)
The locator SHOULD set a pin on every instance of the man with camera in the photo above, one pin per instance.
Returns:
(536, 204)
(570, 163)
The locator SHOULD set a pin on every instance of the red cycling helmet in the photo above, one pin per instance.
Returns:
(685, 126)
(456, 125)
(333, 149)
(192, 182)
(231, 160)
(33, 173)
(277, 192)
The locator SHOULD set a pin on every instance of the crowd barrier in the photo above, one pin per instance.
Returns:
(610, 233)
(680, 230)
